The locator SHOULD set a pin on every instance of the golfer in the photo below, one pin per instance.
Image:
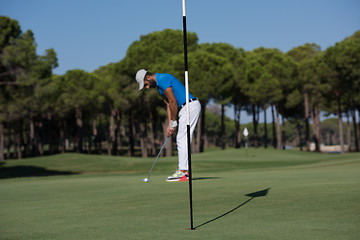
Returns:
(174, 95)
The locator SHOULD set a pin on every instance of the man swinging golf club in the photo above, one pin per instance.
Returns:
(174, 95)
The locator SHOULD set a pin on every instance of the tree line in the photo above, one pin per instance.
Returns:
(103, 112)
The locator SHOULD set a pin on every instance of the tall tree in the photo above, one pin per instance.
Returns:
(340, 72)
(23, 73)
(9, 30)
(115, 91)
(268, 68)
(222, 88)
(307, 76)
(77, 97)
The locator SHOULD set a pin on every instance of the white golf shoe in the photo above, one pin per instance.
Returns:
(178, 176)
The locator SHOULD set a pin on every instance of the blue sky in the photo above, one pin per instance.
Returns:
(87, 34)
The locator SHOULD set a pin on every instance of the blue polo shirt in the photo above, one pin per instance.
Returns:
(165, 80)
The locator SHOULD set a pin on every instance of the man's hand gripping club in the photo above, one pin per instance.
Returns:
(172, 127)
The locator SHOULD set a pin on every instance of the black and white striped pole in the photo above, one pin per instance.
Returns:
(187, 111)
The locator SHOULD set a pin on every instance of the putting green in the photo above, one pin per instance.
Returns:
(295, 195)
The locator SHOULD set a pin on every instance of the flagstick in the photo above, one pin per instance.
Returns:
(187, 110)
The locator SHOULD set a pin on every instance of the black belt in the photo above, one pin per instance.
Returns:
(190, 100)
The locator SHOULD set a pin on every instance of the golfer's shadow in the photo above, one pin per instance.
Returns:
(253, 195)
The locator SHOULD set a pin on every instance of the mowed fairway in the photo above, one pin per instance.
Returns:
(296, 195)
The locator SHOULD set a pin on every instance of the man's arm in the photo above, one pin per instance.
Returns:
(172, 109)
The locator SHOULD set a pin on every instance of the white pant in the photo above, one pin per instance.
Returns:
(181, 138)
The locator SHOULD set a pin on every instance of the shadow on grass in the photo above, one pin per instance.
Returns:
(204, 178)
(29, 171)
(253, 195)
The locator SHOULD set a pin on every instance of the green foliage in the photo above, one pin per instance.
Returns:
(77, 89)
(25, 74)
(22, 54)
(268, 74)
(304, 52)
(155, 48)
(221, 70)
(9, 30)
(306, 57)
(341, 74)
(208, 72)
(114, 88)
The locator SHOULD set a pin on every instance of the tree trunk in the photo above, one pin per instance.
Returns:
(283, 134)
(315, 116)
(314, 127)
(237, 112)
(40, 139)
(143, 140)
(51, 131)
(131, 149)
(151, 125)
(318, 129)
(348, 135)
(21, 140)
(307, 129)
(265, 127)
(26, 141)
(62, 138)
(202, 126)
(117, 134)
(278, 128)
(193, 143)
(299, 135)
(108, 139)
(222, 140)
(328, 138)
(356, 131)
(112, 128)
(1, 142)
(32, 137)
(120, 134)
(79, 125)
(273, 127)
(100, 135)
(198, 137)
(341, 133)
(95, 135)
(18, 142)
(255, 124)
(90, 137)
(9, 141)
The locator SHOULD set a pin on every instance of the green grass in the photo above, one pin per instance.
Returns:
(311, 196)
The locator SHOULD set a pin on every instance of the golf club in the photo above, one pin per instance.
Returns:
(148, 178)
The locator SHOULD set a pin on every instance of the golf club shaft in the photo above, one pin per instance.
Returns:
(158, 155)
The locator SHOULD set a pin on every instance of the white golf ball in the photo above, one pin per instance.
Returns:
(146, 180)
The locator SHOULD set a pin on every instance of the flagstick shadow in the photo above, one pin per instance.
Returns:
(204, 178)
(253, 195)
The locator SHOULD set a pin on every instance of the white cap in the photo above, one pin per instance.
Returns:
(140, 75)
